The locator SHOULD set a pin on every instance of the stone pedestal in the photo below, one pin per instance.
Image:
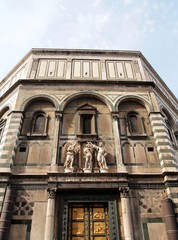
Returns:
(104, 170)
(87, 170)
(69, 170)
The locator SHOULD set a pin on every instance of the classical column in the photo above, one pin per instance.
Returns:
(119, 161)
(170, 219)
(49, 227)
(126, 215)
(6, 214)
(57, 126)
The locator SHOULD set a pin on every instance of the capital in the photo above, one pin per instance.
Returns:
(124, 192)
(51, 193)
(115, 116)
(58, 116)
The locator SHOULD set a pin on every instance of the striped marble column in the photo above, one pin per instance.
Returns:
(163, 143)
(6, 213)
(9, 140)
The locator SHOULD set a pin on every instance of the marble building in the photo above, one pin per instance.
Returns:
(88, 148)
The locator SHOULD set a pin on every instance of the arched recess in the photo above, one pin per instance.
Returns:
(46, 154)
(21, 154)
(87, 95)
(38, 129)
(34, 154)
(133, 113)
(83, 105)
(39, 97)
(4, 112)
(151, 153)
(135, 128)
(140, 156)
(138, 99)
(45, 110)
(90, 111)
(128, 153)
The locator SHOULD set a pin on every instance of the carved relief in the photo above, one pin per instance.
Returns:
(88, 220)
(78, 213)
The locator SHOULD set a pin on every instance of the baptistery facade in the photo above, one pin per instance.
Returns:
(88, 145)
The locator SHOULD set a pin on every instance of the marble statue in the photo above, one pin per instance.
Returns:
(88, 152)
(71, 148)
(101, 156)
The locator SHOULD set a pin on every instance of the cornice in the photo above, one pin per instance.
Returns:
(57, 51)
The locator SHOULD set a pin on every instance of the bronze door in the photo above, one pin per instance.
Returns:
(88, 221)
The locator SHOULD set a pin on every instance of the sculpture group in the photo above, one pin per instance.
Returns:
(72, 148)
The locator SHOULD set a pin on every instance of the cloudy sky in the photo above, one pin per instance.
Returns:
(149, 26)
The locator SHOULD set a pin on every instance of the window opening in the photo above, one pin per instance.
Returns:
(86, 123)
(150, 149)
(22, 149)
(39, 124)
(169, 129)
(134, 123)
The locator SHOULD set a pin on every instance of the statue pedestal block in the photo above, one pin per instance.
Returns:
(96, 170)
(104, 170)
(87, 170)
(68, 170)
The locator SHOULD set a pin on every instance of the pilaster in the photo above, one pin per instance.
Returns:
(119, 160)
(49, 227)
(58, 118)
(126, 213)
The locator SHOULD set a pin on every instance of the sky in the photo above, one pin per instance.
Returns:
(149, 26)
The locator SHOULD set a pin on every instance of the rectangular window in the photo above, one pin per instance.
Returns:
(86, 123)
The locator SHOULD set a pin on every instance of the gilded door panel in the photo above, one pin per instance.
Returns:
(88, 221)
